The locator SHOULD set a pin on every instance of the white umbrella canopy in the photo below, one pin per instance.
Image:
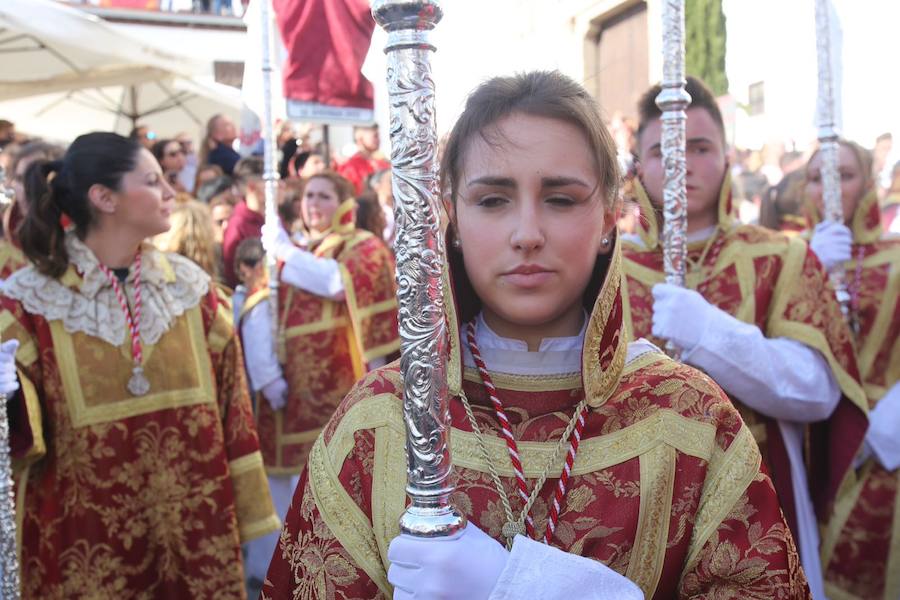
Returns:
(65, 72)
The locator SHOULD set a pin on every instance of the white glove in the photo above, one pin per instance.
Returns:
(465, 566)
(883, 437)
(9, 381)
(832, 243)
(276, 240)
(681, 315)
(275, 392)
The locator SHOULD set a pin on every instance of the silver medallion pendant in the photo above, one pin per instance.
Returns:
(511, 529)
(138, 384)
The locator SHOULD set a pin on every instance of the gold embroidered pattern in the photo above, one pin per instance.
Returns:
(657, 485)
(729, 475)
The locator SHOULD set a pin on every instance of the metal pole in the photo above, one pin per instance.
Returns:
(828, 140)
(9, 553)
(270, 161)
(420, 259)
(673, 101)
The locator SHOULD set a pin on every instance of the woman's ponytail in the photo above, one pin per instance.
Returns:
(41, 233)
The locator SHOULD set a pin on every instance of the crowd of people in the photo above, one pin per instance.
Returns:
(189, 419)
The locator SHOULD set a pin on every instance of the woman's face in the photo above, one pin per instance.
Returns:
(531, 219)
(173, 158)
(320, 202)
(145, 200)
(853, 182)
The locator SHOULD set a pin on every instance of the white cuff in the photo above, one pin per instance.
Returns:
(319, 276)
(779, 377)
(536, 570)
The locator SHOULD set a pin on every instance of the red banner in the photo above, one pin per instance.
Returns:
(327, 42)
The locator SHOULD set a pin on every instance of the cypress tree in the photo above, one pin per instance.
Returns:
(705, 43)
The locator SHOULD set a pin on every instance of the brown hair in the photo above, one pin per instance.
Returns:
(342, 186)
(538, 93)
(701, 97)
(369, 215)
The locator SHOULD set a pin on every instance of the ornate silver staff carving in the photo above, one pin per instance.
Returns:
(673, 101)
(270, 169)
(828, 140)
(420, 257)
(9, 554)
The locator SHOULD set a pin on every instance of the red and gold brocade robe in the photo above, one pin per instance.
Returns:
(121, 496)
(773, 281)
(861, 545)
(667, 486)
(325, 345)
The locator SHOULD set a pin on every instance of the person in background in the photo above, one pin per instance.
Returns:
(218, 188)
(188, 174)
(7, 133)
(218, 144)
(369, 215)
(308, 163)
(249, 264)
(191, 235)
(859, 545)
(136, 459)
(11, 257)
(207, 173)
(758, 315)
(367, 159)
(249, 213)
(380, 182)
(170, 157)
(267, 382)
(143, 135)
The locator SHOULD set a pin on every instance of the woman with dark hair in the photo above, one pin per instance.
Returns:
(137, 464)
(661, 484)
(170, 156)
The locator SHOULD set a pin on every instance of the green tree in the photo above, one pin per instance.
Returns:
(705, 43)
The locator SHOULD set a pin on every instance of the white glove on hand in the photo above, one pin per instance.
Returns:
(832, 243)
(681, 315)
(462, 567)
(883, 437)
(276, 240)
(275, 392)
(9, 381)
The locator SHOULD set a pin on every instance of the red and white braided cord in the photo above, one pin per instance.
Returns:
(132, 318)
(513, 447)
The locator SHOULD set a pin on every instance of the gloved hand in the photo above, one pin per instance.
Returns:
(832, 243)
(276, 241)
(883, 437)
(462, 567)
(275, 392)
(681, 315)
(9, 381)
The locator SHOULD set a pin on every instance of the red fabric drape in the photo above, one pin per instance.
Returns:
(327, 42)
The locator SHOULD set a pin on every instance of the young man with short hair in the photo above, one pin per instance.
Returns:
(757, 314)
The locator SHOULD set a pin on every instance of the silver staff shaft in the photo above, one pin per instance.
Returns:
(270, 170)
(8, 549)
(828, 140)
(673, 101)
(420, 257)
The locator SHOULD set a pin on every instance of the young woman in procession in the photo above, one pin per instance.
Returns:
(337, 319)
(757, 315)
(137, 464)
(860, 551)
(636, 472)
